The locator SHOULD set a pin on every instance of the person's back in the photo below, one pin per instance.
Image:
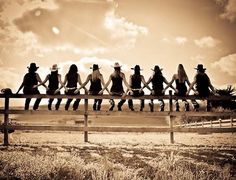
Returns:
(95, 85)
(136, 81)
(30, 79)
(181, 87)
(72, 79)
(157, 82)
(117, 84)
(202, 84)
(53, 81)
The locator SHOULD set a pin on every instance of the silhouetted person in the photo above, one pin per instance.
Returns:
(180, 79)
(54, 79)
(202, 83)
(135, 81)
(29, 85)
(70, 85)
(117, 78)
(96, 82)
(157, 80)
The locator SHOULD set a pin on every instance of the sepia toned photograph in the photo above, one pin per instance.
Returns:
(117, 89)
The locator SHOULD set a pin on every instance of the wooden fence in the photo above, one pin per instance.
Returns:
(6, 111)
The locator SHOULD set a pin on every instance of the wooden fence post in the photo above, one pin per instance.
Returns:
(231, 122)
(171, 117)
(6, 120)
(85, 119)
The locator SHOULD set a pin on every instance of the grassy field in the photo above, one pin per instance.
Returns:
(64, 155)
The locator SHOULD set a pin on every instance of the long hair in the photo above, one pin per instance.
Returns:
(73, 69)
(157, 73)
(116, 72)
(181, 73)
(96, 74)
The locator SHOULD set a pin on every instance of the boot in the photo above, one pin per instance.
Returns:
(162, 108)
(112, 105)
(98, 107)
(94, 106)
(151, 105)
(119, 107)
(131, 108)
(186, 107)
(177, 107)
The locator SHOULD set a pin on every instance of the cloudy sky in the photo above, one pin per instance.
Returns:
(144, 32)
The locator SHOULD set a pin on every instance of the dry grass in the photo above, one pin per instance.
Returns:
(72, 162)
(128, 156)
(62, 155)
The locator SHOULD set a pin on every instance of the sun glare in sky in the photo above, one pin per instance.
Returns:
(55, 30)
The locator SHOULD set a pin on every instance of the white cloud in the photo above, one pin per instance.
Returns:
(165, 40)
(199, 59)
(229, 11)
(181, 40)
(7, 77)
(206, 41)
(227, 64)
(123, 29)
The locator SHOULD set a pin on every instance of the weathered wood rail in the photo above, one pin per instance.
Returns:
(6, 111)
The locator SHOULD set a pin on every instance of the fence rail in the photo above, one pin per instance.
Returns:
(6, 111)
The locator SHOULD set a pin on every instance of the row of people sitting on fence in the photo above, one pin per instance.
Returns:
(32, 81)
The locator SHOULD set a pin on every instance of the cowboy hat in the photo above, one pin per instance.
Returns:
(137, 68)
(116, 65)
(33, 66)
(157, 68)
(200, 67)
(54, 68)
(95, 67)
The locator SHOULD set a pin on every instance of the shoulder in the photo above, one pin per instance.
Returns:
(89, 76)
(175, 76)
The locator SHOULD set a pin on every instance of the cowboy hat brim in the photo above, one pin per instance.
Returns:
(93, 68)
(159, 69)
(53, 70)
(200, 69)
(32, 67)
(134, 69)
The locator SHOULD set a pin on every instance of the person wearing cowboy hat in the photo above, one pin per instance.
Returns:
(203, 85)
(157, 80)
(180, 79)
(53, 84)
(30, 84)
(135, 81)
(96, 82)
(117, 78)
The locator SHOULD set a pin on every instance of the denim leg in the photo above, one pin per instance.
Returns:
(27, 102)
(68, 104)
